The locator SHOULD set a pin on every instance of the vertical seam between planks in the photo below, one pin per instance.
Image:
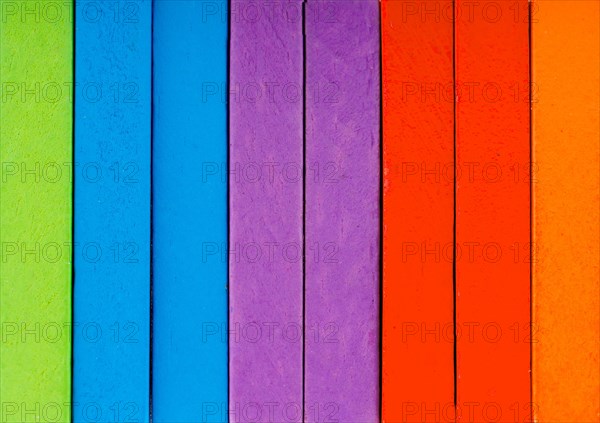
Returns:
(455, 208)
(73, 117)
(151, 317)
(1, 211)
(228, 196)
(531, 249)
(381, 171)
(304, 5)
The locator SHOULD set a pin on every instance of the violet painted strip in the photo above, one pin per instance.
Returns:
(265, 258)
(342, 211)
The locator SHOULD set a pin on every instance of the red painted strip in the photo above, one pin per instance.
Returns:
(493, 211)
(418, 128)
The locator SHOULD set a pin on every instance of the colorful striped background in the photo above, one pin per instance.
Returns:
(284, 211)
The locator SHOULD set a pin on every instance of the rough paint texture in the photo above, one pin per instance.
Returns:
(492, 212)
(418, 212)
(342, 211)
(566, 130)
(189, 212)
(112, 211)
(35, 214)
(266, 213)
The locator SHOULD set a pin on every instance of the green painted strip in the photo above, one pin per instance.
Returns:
(36, 67)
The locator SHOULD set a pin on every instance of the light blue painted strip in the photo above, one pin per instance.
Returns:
(112, 211)
(190, 211)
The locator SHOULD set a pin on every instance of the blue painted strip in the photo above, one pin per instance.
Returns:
(190, 211)
(112, 210)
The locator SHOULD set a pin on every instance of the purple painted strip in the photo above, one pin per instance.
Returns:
(266, 155)
(342, 211)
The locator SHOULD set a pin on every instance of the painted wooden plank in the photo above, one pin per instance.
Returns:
(189, 212)
(342, 211)
(492, 211)
(112, 211)
(36, 79)
(566, 291)
(265, 251)
(418, 243)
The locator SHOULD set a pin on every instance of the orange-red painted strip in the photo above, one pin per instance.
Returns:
(493, 211)
(566, 286)
(418, 209)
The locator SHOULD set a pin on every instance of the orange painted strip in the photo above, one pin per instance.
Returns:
(418, 210)
(493, 211)
(566, 130)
